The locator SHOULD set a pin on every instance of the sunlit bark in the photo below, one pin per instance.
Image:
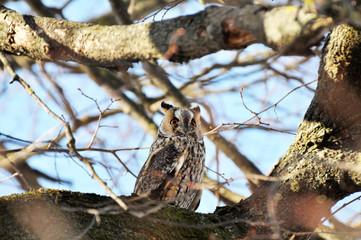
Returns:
(179, 39)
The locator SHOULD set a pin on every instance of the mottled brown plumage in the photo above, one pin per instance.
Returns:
(174, 168)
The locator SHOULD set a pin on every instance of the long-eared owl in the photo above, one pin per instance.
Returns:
(174, 168)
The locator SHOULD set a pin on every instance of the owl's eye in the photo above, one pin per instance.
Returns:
(194, 123)
(173, 121)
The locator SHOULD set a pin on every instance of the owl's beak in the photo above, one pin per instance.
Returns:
(185, 128)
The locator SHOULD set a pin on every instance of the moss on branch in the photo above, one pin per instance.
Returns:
(53, 214)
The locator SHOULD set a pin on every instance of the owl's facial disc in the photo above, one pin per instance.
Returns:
(181, 122)
(184, 125)
(185, 128)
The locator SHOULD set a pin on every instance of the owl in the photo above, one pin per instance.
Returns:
(174, 168)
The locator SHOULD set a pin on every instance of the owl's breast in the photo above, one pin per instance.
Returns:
(186, 177)
(189, 164)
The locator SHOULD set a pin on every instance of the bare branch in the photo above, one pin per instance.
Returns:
(68, 132)
(227, 196)
(10, 177)
(50, 39)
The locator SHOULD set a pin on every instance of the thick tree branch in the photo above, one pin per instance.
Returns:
(179, 39)
(50, 214)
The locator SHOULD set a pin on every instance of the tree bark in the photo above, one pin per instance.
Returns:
(51, 214)
(322, 166)
(180, 39)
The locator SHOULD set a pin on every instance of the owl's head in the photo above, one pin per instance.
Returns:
(181, 122)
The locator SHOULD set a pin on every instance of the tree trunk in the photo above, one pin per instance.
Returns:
(322, 166)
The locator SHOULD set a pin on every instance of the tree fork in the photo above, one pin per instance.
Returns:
(322, 166)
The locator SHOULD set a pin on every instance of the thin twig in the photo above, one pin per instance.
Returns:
(339, 209)
(256, 115)
(99, 119)
(218, 174)
(253, 112)
(15, 138)
(124, 165)
(166, 8)
(23, 154)
(62, 150)
(86, 230)
(275, 104)
(245, 125)
(228, 197)
(21, 175)
(60, 91)
(10, 177)
(68, 132)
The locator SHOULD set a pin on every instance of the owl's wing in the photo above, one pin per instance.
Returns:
(159, 170)
(196, 201)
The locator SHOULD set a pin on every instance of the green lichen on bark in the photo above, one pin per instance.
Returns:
(326, 148)
(52, 214)
(341, 54)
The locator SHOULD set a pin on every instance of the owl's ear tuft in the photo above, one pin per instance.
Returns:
(166, 106)
(196, 110)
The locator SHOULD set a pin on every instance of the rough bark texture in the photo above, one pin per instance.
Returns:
(321, 167)
(179, 39)
(327, 146)
(50, 214)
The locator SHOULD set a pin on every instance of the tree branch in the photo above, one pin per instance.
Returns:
(50, 39)
(66, 215)
(68, 132)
